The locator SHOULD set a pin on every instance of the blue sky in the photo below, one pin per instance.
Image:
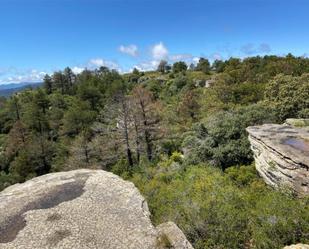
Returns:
(41, 36)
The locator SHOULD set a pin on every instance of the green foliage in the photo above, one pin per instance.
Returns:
(121, 168)
(137, 125)
(91, 94)
(78, 117)
(242, 175)
(217, 210)
(222, 138)
(289, 95)
(203, 65)
(218, 66)
(244, 93)
(179, 66)
(6, 180)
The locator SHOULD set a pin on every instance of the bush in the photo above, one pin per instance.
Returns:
(289, 95)
(242, 176)
(222, 138)
(6, 180)
(215, 210)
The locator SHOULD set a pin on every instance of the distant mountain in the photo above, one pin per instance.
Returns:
(7, 90)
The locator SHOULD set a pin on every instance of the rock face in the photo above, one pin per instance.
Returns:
(77, 209)
(281, 155)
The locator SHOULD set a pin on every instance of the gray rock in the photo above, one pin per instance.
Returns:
(175, 236)
(281, 155)
(76, 209)
(297, 246)
(209, 83)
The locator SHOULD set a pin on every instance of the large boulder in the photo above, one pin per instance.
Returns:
(77, 209)
(281, 155)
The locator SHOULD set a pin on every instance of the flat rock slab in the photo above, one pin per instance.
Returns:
(76, 209)
(282, 155)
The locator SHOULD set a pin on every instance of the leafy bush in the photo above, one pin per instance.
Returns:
(289, 95)
(215, 210)
(222, 139)
(6, 180)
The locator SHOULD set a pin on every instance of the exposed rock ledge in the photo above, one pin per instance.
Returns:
(81, 209)
(281, 155)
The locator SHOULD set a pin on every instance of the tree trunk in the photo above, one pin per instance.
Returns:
(138, 156)
(146, 133)
(126, 133)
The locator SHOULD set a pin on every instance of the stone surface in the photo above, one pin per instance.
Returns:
(174, 235)
(297, 246)
(281, 155)
(76, 209)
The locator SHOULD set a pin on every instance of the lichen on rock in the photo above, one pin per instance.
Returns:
(76, 209)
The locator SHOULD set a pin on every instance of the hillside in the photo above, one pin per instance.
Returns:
(7, 90)
(178, 133)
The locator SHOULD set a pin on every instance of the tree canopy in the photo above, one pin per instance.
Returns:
(177, 133)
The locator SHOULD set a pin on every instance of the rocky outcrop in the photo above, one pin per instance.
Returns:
(281, 155)
(297, 246)
(176, 238)
(78, 209)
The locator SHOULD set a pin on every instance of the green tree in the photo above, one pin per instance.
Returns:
(203, 65)
(48, 84)
(218, 66)
(179, 66)
(289, 95)
(78, 118)
(69, 77)
(90, 93)
(222, 139)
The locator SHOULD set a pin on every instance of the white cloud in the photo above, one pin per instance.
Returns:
(159, 51)
(99, 62)
(130, 50)
(179, 57)
(32, 75)
(78, 70)
(147, 65)
(15, 75)
(195, 60)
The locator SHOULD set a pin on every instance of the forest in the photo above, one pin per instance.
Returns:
(178, 133)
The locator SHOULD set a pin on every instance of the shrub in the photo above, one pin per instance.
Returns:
(289, 95)
(222, 138)
(215, 210)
